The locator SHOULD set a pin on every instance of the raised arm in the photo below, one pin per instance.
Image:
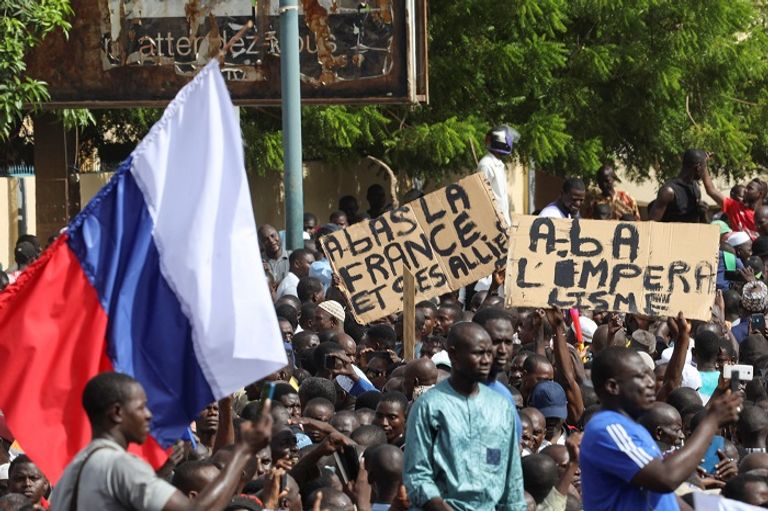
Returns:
(540, 342)
(573, 444)
(666, 474)
(564, 365)
(673, 376)
(663, 199)
(497, 280)
(225, 435)
(306, 468)
(254, 437)
(711, 189)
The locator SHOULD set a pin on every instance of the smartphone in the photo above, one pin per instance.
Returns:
(376, 354)
(758, 322)
(351, 461)
(329, 362)
(267, 392)
(283, 482)
(341, 469)
(347, 463)
(737, 373)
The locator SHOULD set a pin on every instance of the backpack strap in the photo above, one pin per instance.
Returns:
(76, 489)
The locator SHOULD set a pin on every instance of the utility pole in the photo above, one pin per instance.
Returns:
(290, 82)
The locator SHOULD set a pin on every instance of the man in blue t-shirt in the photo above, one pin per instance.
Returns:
(621, 466)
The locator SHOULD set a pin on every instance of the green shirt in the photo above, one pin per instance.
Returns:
(709, 381)
(464, 450)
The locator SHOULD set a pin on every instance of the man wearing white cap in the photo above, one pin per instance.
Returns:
(329, 316)
(588, 329)
(741, 243)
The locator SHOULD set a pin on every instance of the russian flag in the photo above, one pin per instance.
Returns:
(159, 277)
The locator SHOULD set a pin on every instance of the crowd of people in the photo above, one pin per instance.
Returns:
(502, 408)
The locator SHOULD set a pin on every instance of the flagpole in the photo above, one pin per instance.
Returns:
(291, 101)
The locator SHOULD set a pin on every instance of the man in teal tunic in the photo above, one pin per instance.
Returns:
(461, 450)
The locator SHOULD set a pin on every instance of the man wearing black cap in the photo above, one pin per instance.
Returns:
(679, 200)
(621, 203)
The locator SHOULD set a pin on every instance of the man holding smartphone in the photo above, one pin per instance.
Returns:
(336, 365)
(622, 468)
(754, 300)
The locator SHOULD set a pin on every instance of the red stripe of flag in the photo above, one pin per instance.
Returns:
(52, 341)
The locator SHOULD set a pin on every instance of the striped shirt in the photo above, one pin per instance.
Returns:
(614, 449)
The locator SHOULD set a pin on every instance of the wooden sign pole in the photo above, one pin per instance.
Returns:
(409, 315)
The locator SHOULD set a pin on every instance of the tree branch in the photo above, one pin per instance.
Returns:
(474, 153)
(688, 109)
(392, 179)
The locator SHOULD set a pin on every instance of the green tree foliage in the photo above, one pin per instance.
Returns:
(582, 80)
(23, 24)
(585, 80)
(114, 133)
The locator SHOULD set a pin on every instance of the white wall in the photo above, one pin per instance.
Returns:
(9, 214)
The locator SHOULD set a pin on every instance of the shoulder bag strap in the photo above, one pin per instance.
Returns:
(76, 489)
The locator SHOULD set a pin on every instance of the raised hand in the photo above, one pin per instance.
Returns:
(257, 434)
(615, 324)
(726, 408)
(178, 453)
(271, 495)
(727, 468)
(573, 445)
(555, 318)
(334, 442)
(313, 424)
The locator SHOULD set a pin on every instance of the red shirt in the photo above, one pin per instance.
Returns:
(741, 217)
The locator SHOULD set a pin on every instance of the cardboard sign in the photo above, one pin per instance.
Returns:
(651, 268)
(446, 239)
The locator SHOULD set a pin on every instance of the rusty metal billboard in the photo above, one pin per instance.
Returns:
(140, 52)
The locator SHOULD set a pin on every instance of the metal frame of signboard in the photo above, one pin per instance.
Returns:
(99, 89)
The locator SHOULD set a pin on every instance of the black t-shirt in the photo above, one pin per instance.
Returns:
(685, 207)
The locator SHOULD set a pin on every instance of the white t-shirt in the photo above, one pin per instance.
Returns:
(112, 480)
(288, 286)
(484, 284)
(552, 211)
(496, 173)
